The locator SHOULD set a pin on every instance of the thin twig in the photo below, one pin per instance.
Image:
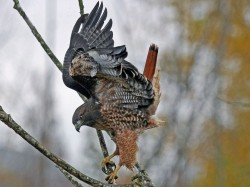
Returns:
(7, 119)
(37, 35)
(103, 147)
(81, 7)
(104, 152)
(235, 103)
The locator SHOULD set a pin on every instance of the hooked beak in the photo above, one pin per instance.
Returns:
(78, 125)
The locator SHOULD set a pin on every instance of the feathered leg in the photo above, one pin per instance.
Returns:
(127, 148)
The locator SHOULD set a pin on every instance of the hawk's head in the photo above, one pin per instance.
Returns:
(86, 114)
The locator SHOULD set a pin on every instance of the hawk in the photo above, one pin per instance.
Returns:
(121, 100)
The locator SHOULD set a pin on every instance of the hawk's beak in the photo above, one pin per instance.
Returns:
(78, 125)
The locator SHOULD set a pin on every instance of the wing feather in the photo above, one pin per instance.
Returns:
(129, 88)
(91, 28)
(100, 68)
(87, 34)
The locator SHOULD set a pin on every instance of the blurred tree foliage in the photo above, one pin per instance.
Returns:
(229, 164)
(226, 155)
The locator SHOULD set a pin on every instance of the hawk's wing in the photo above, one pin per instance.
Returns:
(113, 79)
(90, 35)
(99, 69)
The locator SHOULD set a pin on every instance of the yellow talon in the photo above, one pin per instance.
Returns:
(113, 176)
(107, 160)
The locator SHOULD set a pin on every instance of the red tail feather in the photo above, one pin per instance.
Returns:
(149, 69)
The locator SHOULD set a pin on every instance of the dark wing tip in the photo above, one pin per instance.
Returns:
(96, 6)
(78, 25)
(92, 34)
(108, 25)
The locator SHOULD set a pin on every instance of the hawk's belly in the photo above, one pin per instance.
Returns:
(117, 118)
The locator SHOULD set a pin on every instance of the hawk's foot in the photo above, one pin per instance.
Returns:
(113, 175)
(107, 161)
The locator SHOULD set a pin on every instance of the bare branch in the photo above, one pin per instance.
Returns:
(235, 103)
(104, 151)
(7, 119)
(18, 7)
(142, 178)
(81, 7)
(37, 35)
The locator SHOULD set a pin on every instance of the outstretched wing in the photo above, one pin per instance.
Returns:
(91, 35)
(100, 70)
(113, 79)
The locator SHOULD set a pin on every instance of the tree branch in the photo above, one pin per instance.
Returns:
(58, 64)
(37, 35)
(105, 153)
(7, 119)
(81, 7)
(235, 103)
(142, 178)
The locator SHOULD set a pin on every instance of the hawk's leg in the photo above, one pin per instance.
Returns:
(126, 148)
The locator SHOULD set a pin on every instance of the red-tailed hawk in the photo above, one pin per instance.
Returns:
(121, 100)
